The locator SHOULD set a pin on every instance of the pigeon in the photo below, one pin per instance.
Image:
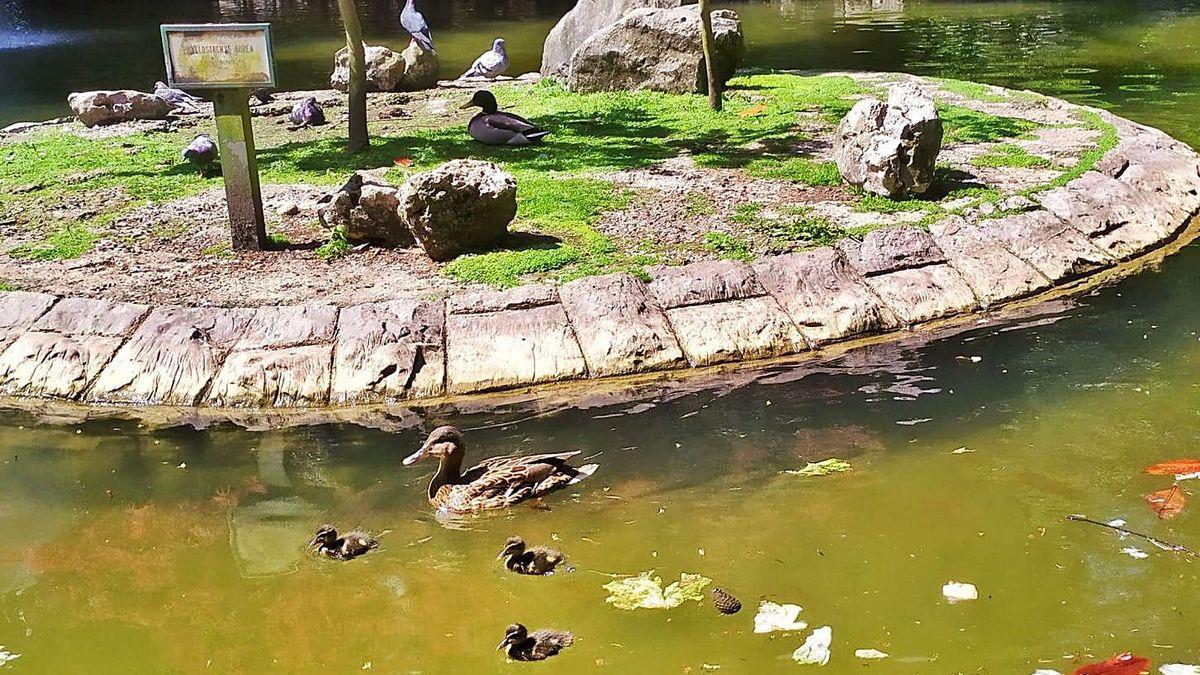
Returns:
(490, 64)
(307, 113)
(414, 23)
(178, 98)
(201, 152)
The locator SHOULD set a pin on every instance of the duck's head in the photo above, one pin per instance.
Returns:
(513, 636)
(514, 546)
(484, 98)
(498, 45)
(442, 442)
(326, 537)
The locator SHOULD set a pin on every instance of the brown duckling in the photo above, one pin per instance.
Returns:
(494, 483)
(536, 560)
(521, 645)
(345, 547)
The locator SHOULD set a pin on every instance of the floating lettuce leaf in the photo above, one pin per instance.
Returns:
(822, 468)
(772, 617)
(646, 592)
(815, 650)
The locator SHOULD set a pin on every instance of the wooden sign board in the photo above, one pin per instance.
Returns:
(219, 55)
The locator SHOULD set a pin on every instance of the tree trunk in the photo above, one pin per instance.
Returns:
(710, 64)
(360, 138)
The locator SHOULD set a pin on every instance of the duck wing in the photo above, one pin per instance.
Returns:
(510, 122)
(503, 481)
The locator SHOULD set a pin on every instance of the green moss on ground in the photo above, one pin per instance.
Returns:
(965, 125)
(1011, 155)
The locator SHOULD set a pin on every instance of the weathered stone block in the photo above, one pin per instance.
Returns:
(1051, 246)
(512, 348)
(289, 326)
(889, 249)
(19, 310)
(1106, 210)
(87, 316)
(620, 327)
(824, 296)
(389, 351)
(738, 329)
(294, 377)
(172, 357)
(521, 297)
(704, 282)
(924, 293)
(52, 364)
(994, 274)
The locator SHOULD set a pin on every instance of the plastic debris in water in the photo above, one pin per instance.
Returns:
(1045, 671)
(815, 650)
(958, 592)
(646, 592)
(1179, 669)
(772, 617)
(822, 468)
(6, 656)
(1136, 553)
(870, 654)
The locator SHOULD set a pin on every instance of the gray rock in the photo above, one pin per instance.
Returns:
(410, 70)
(920, 294)
(890, 149)
(994, 274)
(657, 49)
(463, 205)
(99, 108)
(704, 282)
(389, 351)
(1114, 216)
(368, 211)
(577, 25)
(719, 332)
(620, 327)
(889, 249)
(1052, 247)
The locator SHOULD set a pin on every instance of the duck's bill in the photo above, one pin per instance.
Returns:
(503, 643)
(416, 456)
(465, 106)
(314, 543)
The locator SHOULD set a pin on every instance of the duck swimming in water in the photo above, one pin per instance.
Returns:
(494, 483)
(521, 645)
(493, 127)
(535, 560)
(345, 547)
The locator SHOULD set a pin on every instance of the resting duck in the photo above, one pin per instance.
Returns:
(492, 127)
(521, 645)
(494, 483)
(346, 547)
(538, 560)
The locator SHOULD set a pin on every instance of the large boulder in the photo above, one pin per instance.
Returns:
(891, 148)
(577, 25)
(657, 49)
(98, 108)
(463, 205)
(367, 209)
(410, 70)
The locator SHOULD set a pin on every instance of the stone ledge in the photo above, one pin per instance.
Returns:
(1140, 196)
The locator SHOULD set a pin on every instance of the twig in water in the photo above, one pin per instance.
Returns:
(1159, 543)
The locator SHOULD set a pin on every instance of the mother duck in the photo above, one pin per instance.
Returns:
(493, 127)
(494, 483)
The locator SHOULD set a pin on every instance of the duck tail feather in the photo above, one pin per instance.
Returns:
(535, 136)
(582, 472)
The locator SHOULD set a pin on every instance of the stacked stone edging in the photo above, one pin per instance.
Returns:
(1139, 197)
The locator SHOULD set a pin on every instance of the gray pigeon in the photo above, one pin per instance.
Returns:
(414, 22)
(201, 152)
(307, 113)
(490, 64)
(178, 98)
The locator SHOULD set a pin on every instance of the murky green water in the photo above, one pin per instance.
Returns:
(129, 550)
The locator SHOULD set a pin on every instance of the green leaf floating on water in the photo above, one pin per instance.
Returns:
(647, 592)
(822, 468)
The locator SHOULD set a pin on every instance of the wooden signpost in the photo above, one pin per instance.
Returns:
(231, 60)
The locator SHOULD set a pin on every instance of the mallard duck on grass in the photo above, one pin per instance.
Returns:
(535, 560)
(494, 483)
(345, 547)
(493, 127)
(521, 645)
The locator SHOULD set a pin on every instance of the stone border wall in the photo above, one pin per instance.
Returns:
(93, 351)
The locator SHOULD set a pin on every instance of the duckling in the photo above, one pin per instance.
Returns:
(493, 127)
(521, 645)
(538, 560)
(344, 547)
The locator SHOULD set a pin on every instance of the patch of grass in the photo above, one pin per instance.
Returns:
(796, 169)
(809, 228)
(748, 214)
(67, 242)
(971, 90)
(336, 247)
(6, 287)
(699, 204)
(1107, 141)
(728, 246)
(1010, 155)
(964, 125)
(873, 203)
(221, 250)
(278, 240)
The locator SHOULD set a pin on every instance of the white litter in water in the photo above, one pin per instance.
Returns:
(1187, 476)
(1043, 671)
(870, 654)
(815, 650)
(957, 592)
(1136, 553)
(772, 617)
(962, 451)
(6, 656)
(1119, 522)
(1179, 669)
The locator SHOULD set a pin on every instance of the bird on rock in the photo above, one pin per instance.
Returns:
(490, 64)
(178, 98)
(307, 113)
(201, 152)
(348, 546)
(493, 127)
(414, 23)
(521, 645)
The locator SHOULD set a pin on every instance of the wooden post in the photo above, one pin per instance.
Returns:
(239, 168)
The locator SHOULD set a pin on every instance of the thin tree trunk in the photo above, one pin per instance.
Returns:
(360, 137)
(710, 64)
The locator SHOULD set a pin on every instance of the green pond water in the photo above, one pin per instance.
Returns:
(126, 549)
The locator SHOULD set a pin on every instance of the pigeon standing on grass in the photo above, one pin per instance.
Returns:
(490, 64)
(414, 23)
(201, 152)
(307, 113)
(178, 98)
